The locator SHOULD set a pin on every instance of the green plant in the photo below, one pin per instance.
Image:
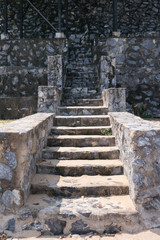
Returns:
(51, 134)
(107, 132)
(140, 110)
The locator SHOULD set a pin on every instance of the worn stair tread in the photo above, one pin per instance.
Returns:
(80, 163)
(57, 181)
(80, 167)
(81, 149)
(82, 107)
(93, 206)
(79, 130)
(83, 116)
(81, 127)
(82, 137)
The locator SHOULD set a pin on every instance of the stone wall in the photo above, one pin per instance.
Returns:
(134, 63)
(139, 143)
(21, 144)
(24, 67)
(85, 16)
(17, 107)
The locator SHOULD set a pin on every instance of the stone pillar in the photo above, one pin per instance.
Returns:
(115, 99)
(55, 71)
(107, 72)
(49, 99)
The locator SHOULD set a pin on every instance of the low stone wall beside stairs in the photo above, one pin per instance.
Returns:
(139, 143)
(21, 144)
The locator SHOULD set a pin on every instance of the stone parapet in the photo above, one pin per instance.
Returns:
(55, 71)
(49, 99)
(21, 144)
(139, 143)
(115, 99)
(107, 72)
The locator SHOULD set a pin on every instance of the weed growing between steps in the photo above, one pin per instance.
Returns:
(107, 132)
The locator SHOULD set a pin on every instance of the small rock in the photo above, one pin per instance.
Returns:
(11, 159)
(11, 225)
(5, 172)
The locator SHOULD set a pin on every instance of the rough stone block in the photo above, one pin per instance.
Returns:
(55, 71)
(115, 99)
(107, 72)
(49, 99)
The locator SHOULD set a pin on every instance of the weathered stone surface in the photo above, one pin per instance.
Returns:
(99, 110)
(55, 71)
(139, 150)
(25, 138)
(17, 107)
(8, 198)
(80, 167)
(11, 159)
(75, 121)
(81, 130)
(81, 153)
(49, 98)
(5, 172)
(80, 186)
(107, 72)
(98, 16)
(79, 227)
(11, 225)
(115, 99)
(56, 226)
(137, 70)
(81, 141)
(80, 214)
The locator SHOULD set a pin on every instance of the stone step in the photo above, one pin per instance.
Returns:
(57, 185)
(80, 83)
(85, 110)
(81, 61)
(80, 70)
(83, 76)
(75, 121)
(92, 130)
(80, 167)
(83, 102)
(62, 153)
(80, 141)
(82, 92)
(82, 215)
(74, 96)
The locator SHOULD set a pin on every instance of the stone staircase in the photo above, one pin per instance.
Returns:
(81, 76)
(79, 186)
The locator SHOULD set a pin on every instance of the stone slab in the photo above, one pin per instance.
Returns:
(81, 153)
(81, 141)
(82, 102)
(80, 167)
(79, 110)
(90, 130)
(57, 185)
(73, 121)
